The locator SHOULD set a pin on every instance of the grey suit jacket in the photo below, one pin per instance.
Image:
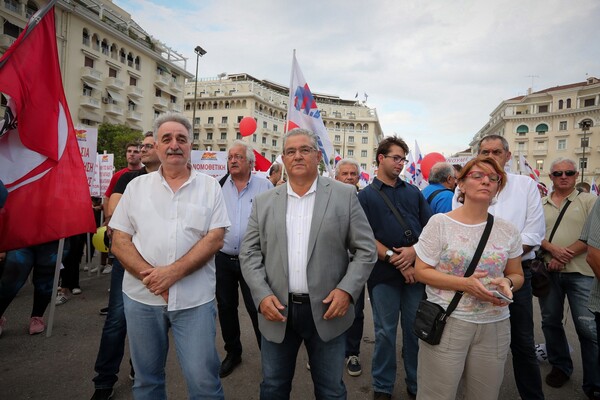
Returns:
(338, 226)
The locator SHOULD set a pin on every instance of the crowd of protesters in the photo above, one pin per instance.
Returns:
(303, 248)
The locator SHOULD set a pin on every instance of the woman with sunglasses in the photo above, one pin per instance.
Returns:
(476, 339)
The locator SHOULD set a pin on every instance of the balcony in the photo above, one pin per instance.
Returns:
(223, 126)
(208, 141)
(91, 74)
(6, 41)
(265, 132)
(162, 80)
(92, 116)
(135, 91)
(113, 109)
(89, 101)
(597, 171)
(209, 126)
(540, 152)
(337, 142)
(161, 102)
(350, 144)
(176, 87)
(221, 141)
(133, 115)
(265, 146)
(588, 150)
(114, 83)
(175, 107)
(236, 125)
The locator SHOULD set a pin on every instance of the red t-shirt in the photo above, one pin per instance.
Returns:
(114, 179)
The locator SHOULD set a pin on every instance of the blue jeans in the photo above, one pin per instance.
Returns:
(194, 330)
(279, 359)
(577, 288)
(390, 305)
(112, 342)
(355, 332)
(522, 345)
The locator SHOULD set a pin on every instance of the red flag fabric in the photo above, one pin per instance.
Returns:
(261, 163)
(40, 163)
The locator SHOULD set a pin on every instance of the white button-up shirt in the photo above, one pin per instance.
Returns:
(164, 226)
(298, 220)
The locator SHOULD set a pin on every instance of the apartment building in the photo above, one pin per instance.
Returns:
(113, 71)
(224, 100)
(561, 121)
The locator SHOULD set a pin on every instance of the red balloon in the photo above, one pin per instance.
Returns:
(247, 126)
(428, 161)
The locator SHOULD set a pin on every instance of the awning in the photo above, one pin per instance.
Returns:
(133, 100)
(541, 128)
(164, 68)
(90, 84)
(522, 129)
(115, 95)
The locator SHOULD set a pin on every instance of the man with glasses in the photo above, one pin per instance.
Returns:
(519, 203)
(570, 276)
(295, 259)
(393, 290)
(239, 190)
(439, 192)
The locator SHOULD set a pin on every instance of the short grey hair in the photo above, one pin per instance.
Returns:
(249, 151)
(172, 117)
(346, 161)
(493, 137)
(563, 159)
(298, 131)
(440, 172)
(275, 168)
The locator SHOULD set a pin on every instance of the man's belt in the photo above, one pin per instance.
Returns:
(299, 298)
(229, 256)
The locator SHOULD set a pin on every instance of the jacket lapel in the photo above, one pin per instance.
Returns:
(279, 214)
(322, 199)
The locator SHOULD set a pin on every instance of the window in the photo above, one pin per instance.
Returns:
(238, 136)
(543, 109)
(86, 38)
(585, 142)
(363, 166)
(209, 136)
(262, 153)
(273, 158)
(222, 149)
(589, 102)
(522, 130)
(337, 138)
(211, 120)
(87, 90)
(254, 138)
(521, 146)
(274, 142)
(568, 103)
(131, 105)
(350, 139)
(365, 140)
(363, 153)
(265, 124)
(223, 135)
(11, 5)
(223, 120)
(583, 163)
(560, 104)
(196, 136)
(112, 73)
(173, 99)
(197, 121)
(158, 92)
(240, 118)
(132, 81)
(275, 128)
(562, 126)
(561, 144)
(540, 145)
(104, 47)
(350, 152)
(541, 129)
(539, 165)
(88, 62)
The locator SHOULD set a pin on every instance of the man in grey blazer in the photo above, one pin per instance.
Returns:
(294, 258)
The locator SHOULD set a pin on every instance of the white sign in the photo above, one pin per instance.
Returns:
(87, 139)
(213, 163)
(459, 160)
(104, 168)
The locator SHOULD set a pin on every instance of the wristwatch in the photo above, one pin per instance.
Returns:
(388, 255)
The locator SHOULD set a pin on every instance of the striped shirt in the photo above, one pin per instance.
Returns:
(591, 235)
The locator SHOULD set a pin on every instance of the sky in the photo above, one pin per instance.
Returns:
(433, 70)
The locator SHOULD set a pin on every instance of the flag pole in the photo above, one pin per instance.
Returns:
(33, 22)
(61, 246)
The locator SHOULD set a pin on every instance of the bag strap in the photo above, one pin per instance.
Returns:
(474, 262)
(432, 195)
(407, 231)
(562, 212)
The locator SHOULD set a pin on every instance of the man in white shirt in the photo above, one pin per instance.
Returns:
(519, 203)
(167, 228)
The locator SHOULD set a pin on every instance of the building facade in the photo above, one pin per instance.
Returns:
(563, 121)
(223, 101)
(112, 70)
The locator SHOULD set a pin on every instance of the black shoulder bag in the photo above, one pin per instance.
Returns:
(408, 234)
(431, 317)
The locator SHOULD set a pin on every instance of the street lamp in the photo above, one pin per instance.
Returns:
(199, 53)
(584, 126)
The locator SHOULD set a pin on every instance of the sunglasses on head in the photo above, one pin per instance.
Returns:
(567, 173)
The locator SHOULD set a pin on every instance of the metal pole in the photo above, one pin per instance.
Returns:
(195, 94)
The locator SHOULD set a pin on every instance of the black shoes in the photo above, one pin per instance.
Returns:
(103, 394)
(556, 378)
(381, 396)
(229, 364)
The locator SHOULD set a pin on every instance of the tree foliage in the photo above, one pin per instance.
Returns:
(114, 138)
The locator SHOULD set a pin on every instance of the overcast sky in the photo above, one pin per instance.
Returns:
(434, 70)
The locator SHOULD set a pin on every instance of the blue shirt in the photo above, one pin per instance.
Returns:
(442, 202)
(413, 208)
(239, 206)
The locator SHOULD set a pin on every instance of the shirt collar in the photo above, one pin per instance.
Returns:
(313, 188)
(378, 184)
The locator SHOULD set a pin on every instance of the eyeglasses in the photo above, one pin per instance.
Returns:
(237, 157)
(304, 151)
(567, 173)
(147, 146)
(396, 159)
(478, 175)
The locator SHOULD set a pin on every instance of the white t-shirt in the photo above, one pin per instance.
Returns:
(165, 226)
(449, 246)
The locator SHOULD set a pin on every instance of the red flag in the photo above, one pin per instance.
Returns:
(40, 163)
(261, 163)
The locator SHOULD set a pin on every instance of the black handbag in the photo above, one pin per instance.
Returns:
(431, 317)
